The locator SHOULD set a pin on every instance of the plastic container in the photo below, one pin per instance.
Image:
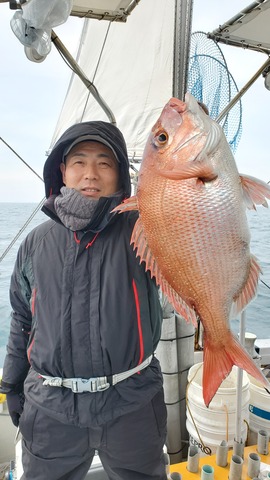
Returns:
(259, 411)
(217, 422)
(2, 395)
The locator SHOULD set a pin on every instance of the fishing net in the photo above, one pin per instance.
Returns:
(211, 83)
(4, 471)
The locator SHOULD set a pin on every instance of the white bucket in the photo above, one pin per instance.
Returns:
(218, 421)
(259, 410)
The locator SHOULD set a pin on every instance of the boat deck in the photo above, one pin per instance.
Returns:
(221, 473)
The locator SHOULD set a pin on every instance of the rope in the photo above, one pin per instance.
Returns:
(187, 405)
(22, 229)
(247, 425)
(22, 160)
(227, 422)
(176, 338)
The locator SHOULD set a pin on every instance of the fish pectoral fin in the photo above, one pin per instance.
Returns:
(250, 288)
(128, 204)
(255, 191)
(145, 254)
(195, 169)
(218, 362)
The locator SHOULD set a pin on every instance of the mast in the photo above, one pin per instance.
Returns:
(182, 34)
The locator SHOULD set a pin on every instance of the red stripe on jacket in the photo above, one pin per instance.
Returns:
(139, 322)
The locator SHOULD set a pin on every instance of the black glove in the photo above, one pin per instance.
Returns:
(15, 403)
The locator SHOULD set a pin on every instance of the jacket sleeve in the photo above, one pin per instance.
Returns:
(16, 363)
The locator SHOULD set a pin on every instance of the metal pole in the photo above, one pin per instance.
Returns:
(182, 34)
(89, 85)
(242, 91)
(167, 354)
(238, 438)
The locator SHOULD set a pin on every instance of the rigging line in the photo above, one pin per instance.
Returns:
(17, 155)
(89, 85)
(96, 69)
(75, 73)
(68, 64)
(22, 229)
(65, 60)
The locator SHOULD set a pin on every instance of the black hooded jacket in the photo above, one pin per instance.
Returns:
(83, 305)
(107, 131)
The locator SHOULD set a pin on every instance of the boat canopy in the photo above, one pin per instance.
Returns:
(112, 10)
(130, 72)
(248, 29)
(132, 69)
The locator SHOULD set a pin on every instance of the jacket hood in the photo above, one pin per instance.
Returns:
(105, 131)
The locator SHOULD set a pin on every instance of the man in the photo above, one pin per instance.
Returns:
(86, 321)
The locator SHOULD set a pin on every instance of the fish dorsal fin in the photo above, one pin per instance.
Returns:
(249, 290)
(144, 253)
(255, 191)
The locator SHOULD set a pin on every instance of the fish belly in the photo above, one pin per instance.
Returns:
(200, 239)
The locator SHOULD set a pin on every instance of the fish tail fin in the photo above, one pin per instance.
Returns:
(219, 362)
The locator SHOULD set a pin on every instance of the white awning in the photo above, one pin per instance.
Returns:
(112, 10)
(131, 65)
(250, 28)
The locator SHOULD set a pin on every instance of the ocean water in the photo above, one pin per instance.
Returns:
(14, 215)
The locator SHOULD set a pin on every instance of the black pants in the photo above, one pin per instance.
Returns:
(130, 447)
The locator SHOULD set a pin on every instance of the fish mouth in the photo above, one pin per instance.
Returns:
(179, 106)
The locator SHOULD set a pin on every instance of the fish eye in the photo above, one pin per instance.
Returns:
(161, 138)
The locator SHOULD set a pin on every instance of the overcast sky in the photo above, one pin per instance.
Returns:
(31, 97)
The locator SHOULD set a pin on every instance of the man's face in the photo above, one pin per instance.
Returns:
(92, 169)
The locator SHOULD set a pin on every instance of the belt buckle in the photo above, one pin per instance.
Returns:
(92, 385)
(102, 385)
(80, 385)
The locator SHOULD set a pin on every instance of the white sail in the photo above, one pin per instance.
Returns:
(131, 66)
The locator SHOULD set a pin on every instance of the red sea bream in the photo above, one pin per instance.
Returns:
(192, 232)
